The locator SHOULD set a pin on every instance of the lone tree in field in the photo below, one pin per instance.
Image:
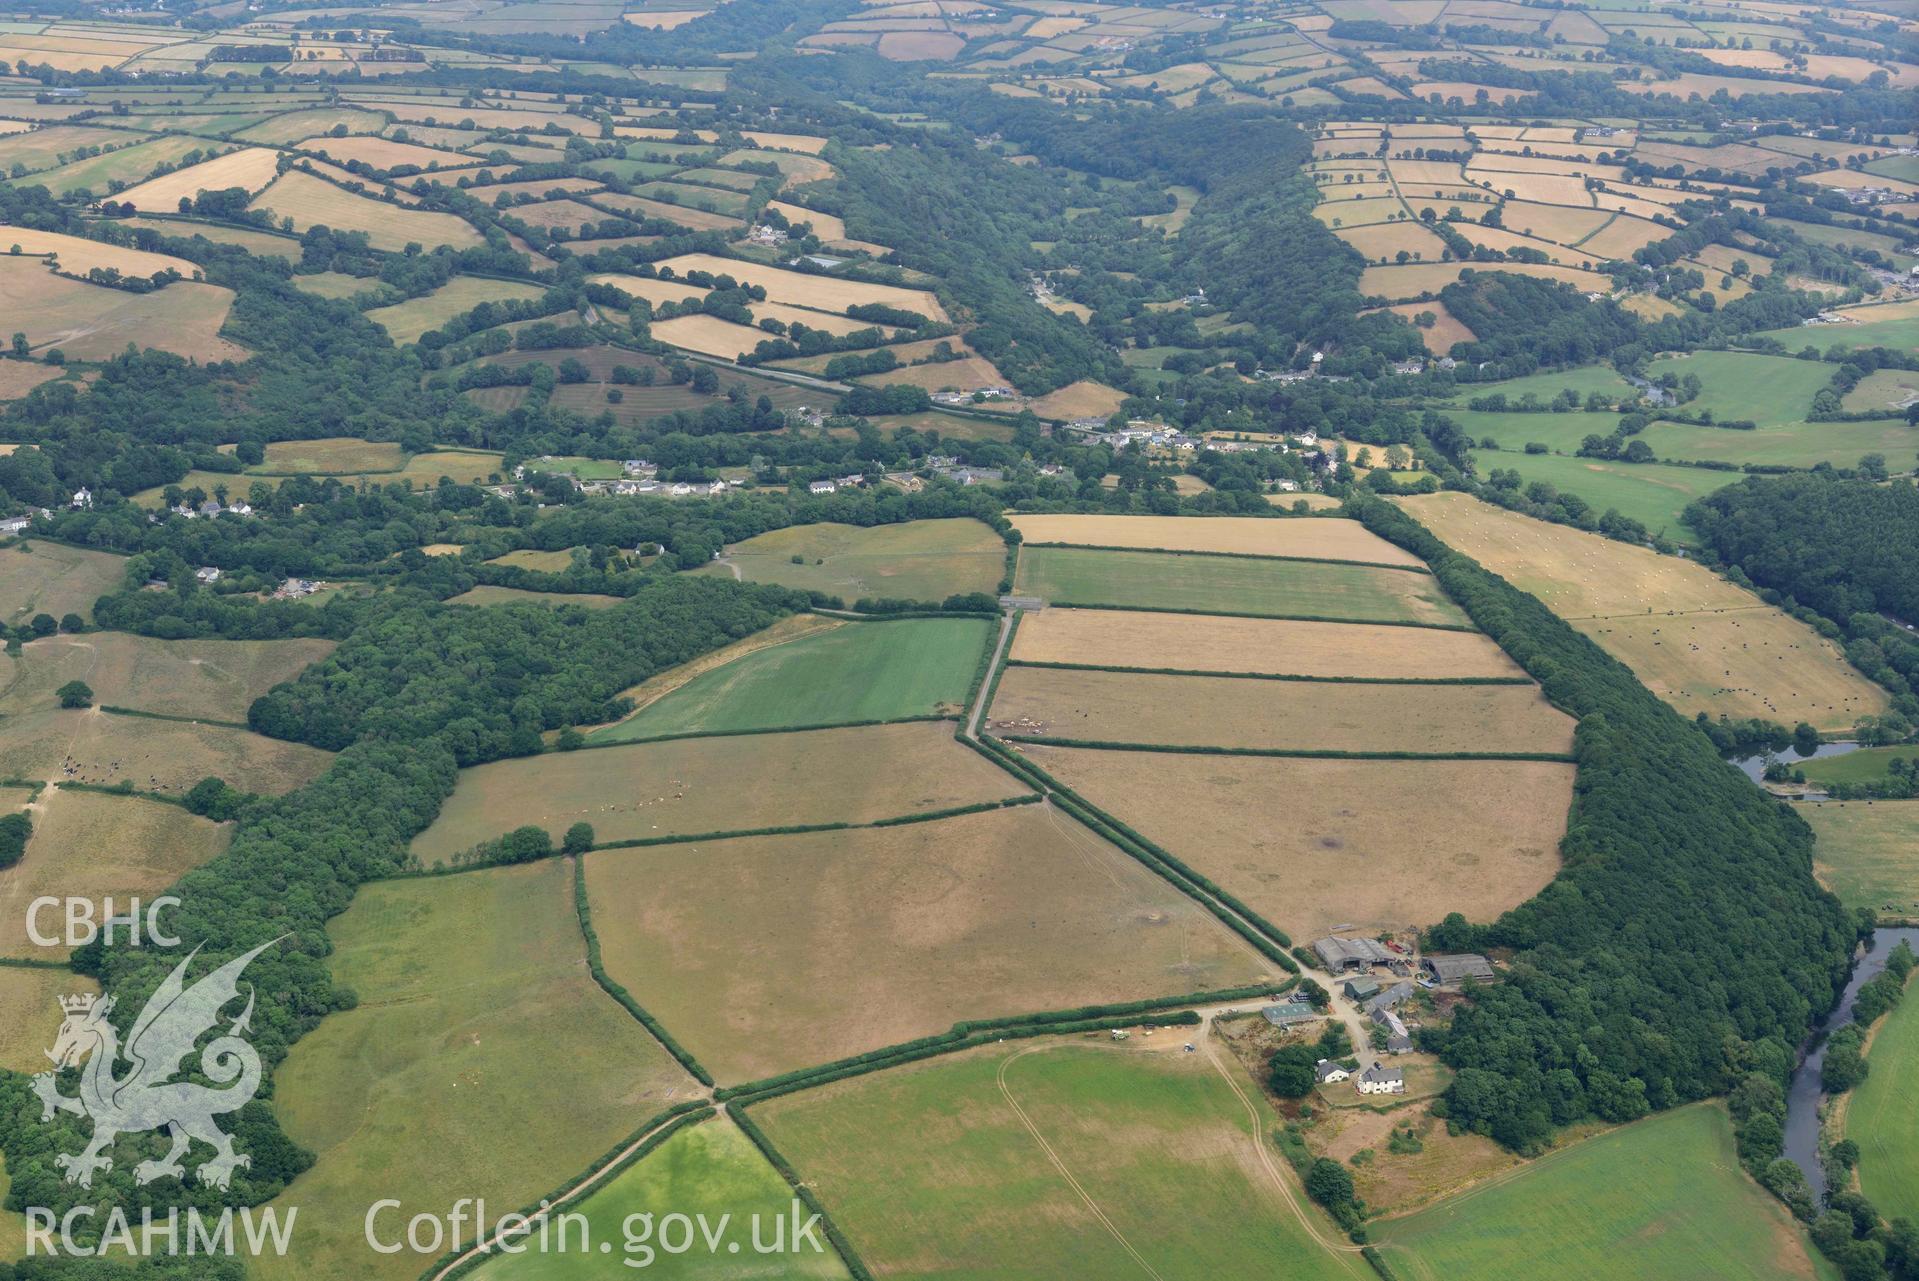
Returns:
(75, 694)
(578, 839)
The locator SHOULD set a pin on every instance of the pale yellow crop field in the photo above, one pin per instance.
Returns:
(1698, 641)
(251, 168)
(1318, 539)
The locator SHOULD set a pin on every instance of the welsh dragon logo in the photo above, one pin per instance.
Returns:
(146, 1098)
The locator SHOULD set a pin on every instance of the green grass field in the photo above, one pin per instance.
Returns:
(1868, 854)
(1744, 385)
(933, 1171)
(1592, 378)
(709, 1169)
(860, 672)
(1881, 1118)
(1900, 329)
(921, 560)
(1866, 765)
(1663, 1197)
(1791, 444)
(1231, 584)
(482, 1061)
(1650, 493)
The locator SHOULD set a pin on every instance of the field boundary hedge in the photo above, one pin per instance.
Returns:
(855, 1266)
(34, 963)
(1266, 938)
(114, 789)
(664, 1125)
(969, 1032)
(1269, 676)
(620, 994)
(1313, 753)
(165, 716)
(741, 733)
(1177, 551)
(1281, 618)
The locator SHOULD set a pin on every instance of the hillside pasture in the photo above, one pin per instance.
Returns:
(1696, 640)
(1654, 495)
(1232, 585)
(1868, 853)
(642, 791)
(94, 322)
(867, 938)
(383, 153)
(859, 672)
(1445, 330)
(77, 255)
(261, 244)
(474, 998)
(926, 560)
(169, 757)
(826, 293)
(125, 165)
(314, 202)
(214, 679)
(251, 168)
(94, 847)
(1125, 638)
(709, 335)
(406, 321)
(1321, 539)
(486, 594)
(1383, 242)
(1744, 385)
(1412, 279)
(1476, 837)
(331, 456)
(1879, 1116)
(50, 578)
(1660, 1197)
(1083, 399)
(1205, 711)
(1052, 1158)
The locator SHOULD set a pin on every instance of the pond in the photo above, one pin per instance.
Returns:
(1754, 766)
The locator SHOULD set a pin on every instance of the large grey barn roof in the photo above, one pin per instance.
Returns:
(1338, 952)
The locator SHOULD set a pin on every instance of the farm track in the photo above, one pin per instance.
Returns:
(1060, 1165)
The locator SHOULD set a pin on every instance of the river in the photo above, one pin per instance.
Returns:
(1802, 1097)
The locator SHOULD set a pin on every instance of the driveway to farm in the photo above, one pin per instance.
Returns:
(999, 656)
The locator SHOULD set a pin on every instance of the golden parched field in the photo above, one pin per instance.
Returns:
(1204, 711)
(94, 322)
(77, 255)
(830, 293)
(643, 790)
(709, 335)
(1381, 844)
(1212, 643)
(313, 202)
(86, 845)
(30, 1017)
(1696, 640)
(154, 755)
(250, 167)
(1413, 279)
(773, 952)
(216, 679)
(1320, 539)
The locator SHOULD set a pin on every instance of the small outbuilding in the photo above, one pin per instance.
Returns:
(1458, 968)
